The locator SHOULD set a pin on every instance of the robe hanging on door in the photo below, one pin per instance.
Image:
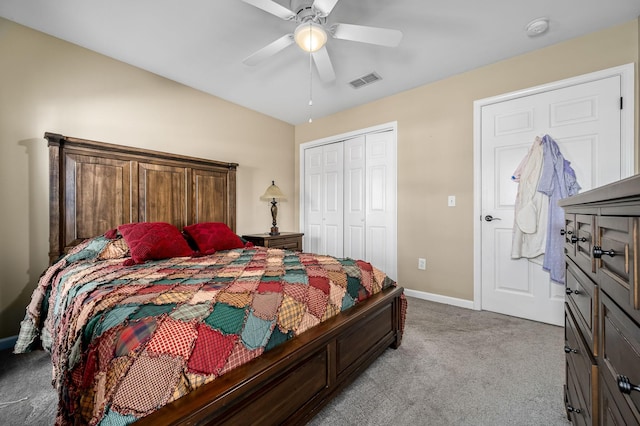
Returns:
(531, 206)
(544, 177)
(557, 181)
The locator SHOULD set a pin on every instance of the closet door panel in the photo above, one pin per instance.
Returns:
(381, 211)
(354, 198)
(377, 251)
(313, 200)
(313, 239)
(332, 212)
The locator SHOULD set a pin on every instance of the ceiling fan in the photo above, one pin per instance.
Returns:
(311, 32)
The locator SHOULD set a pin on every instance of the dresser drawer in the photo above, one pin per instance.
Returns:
(582, 364)
(568, 231)
(583, 239)
(620, 355)
(582, 297)
(617, 238)
(574, 404)
(614, 410)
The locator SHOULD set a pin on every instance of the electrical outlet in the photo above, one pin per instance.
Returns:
(422, 263)
(451, 202)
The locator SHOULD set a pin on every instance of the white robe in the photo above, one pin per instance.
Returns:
(531, 207)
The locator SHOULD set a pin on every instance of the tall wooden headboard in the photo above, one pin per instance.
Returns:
(96, 186)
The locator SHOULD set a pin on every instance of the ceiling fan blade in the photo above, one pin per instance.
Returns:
(364, 34)
(269, 50)
(323, 64)
(324, 6)
(273, 8)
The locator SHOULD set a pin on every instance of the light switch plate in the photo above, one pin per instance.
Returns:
(451, 201)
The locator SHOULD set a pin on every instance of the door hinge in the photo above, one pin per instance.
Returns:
(621, 102)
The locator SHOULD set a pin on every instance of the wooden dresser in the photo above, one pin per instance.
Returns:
(602, 309)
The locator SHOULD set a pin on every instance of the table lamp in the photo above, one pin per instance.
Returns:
(273, 194)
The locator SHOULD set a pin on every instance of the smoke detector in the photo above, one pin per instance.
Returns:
(537, 27)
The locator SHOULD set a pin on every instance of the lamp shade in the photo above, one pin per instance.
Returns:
(273, 192)
(310, 36)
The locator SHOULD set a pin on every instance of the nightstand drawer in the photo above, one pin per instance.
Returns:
(290, 244)
(285, 240)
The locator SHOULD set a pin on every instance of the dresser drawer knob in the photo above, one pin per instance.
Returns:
(626, 386)
(575, 239)
(598, 252)
(569, 350)
(575, 410)
(569, 291)
(562, 232)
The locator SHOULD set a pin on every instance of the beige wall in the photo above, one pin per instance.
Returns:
(435, 149)
(49, 85)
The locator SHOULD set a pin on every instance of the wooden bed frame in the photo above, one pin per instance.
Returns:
(95, 186)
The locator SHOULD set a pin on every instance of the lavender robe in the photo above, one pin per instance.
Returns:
(558, 181)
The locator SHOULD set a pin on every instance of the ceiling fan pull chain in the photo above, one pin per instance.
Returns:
(310, 78)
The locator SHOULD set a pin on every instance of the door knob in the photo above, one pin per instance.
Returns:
(490, 218)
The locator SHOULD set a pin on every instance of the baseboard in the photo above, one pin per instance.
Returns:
(8, 342)
(461, 303)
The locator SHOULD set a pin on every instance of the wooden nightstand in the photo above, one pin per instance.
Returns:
(286, 240)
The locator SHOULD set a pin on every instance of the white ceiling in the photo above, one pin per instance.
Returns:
(201, 43)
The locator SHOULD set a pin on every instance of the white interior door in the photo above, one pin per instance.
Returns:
(585, 120)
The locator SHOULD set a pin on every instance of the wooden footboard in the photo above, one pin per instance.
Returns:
(292, 382)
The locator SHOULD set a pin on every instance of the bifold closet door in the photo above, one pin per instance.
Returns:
(354, 198)
(350, 200)
(324, 176)
(381, 202)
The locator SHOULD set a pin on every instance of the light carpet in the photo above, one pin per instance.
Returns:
(455, 367)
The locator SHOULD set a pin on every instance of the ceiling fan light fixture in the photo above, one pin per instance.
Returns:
(310, 36)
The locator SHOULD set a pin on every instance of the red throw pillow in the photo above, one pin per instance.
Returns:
(213, 236)
(154, 241)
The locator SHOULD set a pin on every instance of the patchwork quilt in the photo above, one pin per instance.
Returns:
(126, 340)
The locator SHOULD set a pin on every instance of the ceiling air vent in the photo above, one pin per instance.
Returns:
(365, 80)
